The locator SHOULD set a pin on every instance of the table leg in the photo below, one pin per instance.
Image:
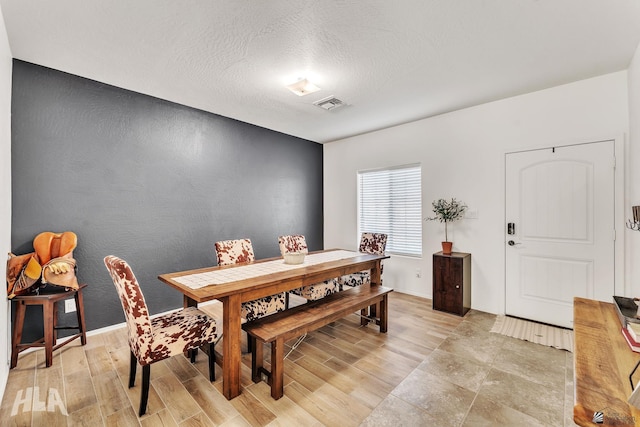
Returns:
(375, 274)
(18, 323)
(231, 331)
(80, 316)
(49, 335)
(188, 302)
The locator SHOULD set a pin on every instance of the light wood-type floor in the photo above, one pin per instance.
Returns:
(431, 368)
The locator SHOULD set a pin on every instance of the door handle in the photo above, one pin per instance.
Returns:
(512, 243)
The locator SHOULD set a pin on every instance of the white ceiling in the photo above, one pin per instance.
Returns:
(391, 62)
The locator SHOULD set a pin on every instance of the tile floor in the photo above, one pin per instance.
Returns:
(478, 378)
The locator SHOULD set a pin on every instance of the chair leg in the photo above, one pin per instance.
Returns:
(249, 344)
(212, 362)
(133, 363)
(144, 397)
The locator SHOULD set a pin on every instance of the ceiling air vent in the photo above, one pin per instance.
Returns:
(330, 103)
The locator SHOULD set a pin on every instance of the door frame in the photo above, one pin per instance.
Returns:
(620, 285)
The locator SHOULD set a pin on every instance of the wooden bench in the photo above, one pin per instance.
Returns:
(281, 327)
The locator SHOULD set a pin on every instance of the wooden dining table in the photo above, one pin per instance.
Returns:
(235, 284)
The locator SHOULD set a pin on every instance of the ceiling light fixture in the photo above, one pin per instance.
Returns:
(303, 87)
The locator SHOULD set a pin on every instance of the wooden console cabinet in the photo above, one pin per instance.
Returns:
(602, 363)
(452, 282)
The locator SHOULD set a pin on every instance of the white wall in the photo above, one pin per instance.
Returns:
(5, 193)
(462, 156)
(632, 240)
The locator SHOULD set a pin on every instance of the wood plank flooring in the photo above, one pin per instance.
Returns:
(341, 375)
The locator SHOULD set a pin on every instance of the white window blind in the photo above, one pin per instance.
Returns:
(390, 202)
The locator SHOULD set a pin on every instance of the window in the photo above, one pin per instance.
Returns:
(390, 202)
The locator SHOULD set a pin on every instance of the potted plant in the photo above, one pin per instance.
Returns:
(447, 211)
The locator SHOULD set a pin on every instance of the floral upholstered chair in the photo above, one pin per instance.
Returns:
(297, 243)
(241, 250)
(154, 339)
(370, 243)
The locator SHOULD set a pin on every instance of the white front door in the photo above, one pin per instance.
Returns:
(560, 202)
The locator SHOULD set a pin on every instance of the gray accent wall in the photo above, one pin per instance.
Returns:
(153, 182)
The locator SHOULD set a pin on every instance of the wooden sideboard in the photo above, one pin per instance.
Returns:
(602, 363)
(452, 282)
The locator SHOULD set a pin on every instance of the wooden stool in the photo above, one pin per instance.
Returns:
(50, 319)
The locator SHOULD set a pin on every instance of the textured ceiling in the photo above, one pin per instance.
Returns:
(391, 62)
